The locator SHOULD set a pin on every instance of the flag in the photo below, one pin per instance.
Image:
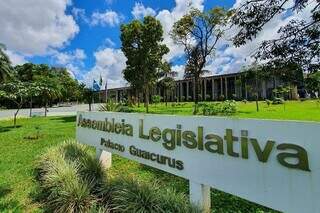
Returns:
(100, 81)
(106, 89)
(95, 86)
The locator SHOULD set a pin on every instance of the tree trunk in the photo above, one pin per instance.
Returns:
(196, 89)
(166, 96)
(89, 107)
(30, 114)
(15, 117)
(146, 100)
(45, 109)
(257, 93)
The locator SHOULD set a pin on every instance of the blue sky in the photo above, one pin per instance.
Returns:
(83, 36)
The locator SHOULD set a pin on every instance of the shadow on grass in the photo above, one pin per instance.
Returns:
(8, 128)
(65, 119)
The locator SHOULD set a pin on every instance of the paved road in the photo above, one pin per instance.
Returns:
(54, 111)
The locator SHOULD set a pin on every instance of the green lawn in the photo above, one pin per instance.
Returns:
(18, 154)
(291, 110)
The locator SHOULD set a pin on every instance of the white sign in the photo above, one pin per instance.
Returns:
(273, 163)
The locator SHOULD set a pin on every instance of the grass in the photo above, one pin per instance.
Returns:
(291, 110)
(18, 154)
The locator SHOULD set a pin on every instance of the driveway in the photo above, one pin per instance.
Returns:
(53, 111)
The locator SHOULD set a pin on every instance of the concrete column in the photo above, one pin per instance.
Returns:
(264, 89)
(187, 96)
(246, 89)
(205, 89)
(117, 96)
(226, 86)
(221, 86)
(104, 157)
(194, 89)
(212, 89)
(201, 86)
(200, 196)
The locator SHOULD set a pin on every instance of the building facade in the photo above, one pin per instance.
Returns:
(211, 88)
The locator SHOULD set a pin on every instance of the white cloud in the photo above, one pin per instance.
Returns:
(109, 64)
(168, 18)
(80, 14)
(72, 60)
(108, 18)
(139, 11)
(16, 58)
(35, 27)
(109, 43)
(110, 1)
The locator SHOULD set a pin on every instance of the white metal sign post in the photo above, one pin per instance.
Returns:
(273, 163)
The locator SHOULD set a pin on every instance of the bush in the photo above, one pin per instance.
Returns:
(68, 175)
(133, 196)
(268, 102)
(111, 106)
(65, 190)
(156, 99)
(216, 108)
(278, 101)
(72, 180)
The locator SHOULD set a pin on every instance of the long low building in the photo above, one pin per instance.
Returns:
(215, 87)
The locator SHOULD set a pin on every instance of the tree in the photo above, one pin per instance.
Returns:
(5, 64)
(298, 41)
(142, 45)
(313, 84)
(49, 90)
(88, 95)
(19, 93)
(167, 81)
(254, 73)
(198, 32)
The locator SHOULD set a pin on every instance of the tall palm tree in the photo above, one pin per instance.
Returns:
(167, 81)
(5, 64)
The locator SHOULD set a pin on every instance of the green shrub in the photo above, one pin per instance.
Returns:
(73, 180)
(156, 99)
(216, 108)
(221, 98)
(133, 196)
(65, 190)
(111, 106)
(278, 101)
(268, 102)
(68, 175)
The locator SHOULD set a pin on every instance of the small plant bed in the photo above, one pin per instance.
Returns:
(72, 180)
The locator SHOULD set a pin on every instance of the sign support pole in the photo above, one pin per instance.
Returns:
(104, 157)
(200, 196)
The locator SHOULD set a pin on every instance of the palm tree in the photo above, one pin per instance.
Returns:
(167, 81)
(5, 64)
